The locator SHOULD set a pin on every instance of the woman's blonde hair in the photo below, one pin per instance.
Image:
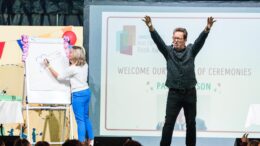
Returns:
(78, 55)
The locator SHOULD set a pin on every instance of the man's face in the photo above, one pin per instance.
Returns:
(178, 40)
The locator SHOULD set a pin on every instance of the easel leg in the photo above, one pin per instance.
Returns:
(28, 123)
(71, 123)
(64, 125)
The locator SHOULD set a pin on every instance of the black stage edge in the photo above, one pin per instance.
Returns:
(110, 141)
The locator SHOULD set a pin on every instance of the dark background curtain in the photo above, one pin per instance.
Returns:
(60, 12)
(41, 12)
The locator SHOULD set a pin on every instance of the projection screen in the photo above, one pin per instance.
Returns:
(133, 73)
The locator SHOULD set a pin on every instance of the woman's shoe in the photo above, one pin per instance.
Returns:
(90, 142)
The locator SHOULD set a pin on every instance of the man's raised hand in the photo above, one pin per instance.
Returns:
(210, 23)
(148, 22)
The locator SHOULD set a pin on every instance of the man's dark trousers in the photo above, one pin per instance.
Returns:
(177, 99)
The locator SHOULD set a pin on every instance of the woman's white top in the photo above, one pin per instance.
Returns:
(77, 75)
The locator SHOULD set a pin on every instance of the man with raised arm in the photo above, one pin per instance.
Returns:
(181, 79)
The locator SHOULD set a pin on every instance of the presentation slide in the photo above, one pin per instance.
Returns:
(133, 73)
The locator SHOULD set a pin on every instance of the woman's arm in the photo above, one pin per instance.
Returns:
(53, 72)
